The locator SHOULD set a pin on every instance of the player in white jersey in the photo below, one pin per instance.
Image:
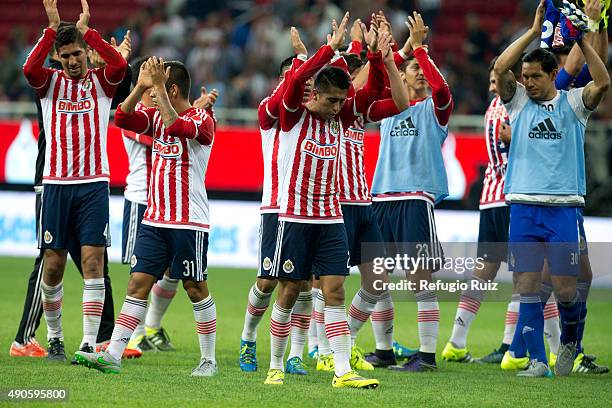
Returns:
(311, 236)
(75, 107)
(261, 291)
(174, 230)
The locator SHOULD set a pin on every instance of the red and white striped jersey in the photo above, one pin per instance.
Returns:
(310, 188)
(310, 146)
(75, 112)
(354, 188)
(495, 175)
(267, 113)
(139, 151)
(177, 194)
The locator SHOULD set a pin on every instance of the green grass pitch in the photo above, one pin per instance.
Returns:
(163, 379)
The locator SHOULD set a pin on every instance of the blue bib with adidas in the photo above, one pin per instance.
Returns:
(547, 151)
(410, 154)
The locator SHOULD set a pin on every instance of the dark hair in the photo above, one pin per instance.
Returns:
(67, 33)
(285, 64)
(331, 77)
(136, 68)
(179, 76)
(353, 62)
(547, 59)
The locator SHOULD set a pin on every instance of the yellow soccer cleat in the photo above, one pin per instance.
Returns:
(552, 360)
(354, 380)
(326, 363)
(358, 361)
(452, 353)
(275, 377)
(510, 363)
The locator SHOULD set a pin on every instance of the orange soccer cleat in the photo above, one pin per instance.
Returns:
(29, 349)
(127, 353)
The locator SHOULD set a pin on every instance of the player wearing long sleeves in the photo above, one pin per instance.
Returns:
(311, 236)
(410, 179)
(174, 230)
(261, 292)
(76, 103)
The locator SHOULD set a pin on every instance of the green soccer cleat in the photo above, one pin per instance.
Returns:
(452, 353)
(494, 357)
(354, 380)
(206, 368)
(510, 363)
(160, 339)
(101, 361)
(86, 348)
(325, 363)
(275, 377)
(536, 369)
(585, 365)
(358, 361)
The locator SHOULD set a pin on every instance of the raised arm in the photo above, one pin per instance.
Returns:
(127, 117)
(115, 67)
(33, 69)
(594, 92)
(294, 87)
(504, 78)
(441, 95)
(399, 92)
(356, 44)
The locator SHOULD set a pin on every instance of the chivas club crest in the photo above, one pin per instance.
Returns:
(334, 128)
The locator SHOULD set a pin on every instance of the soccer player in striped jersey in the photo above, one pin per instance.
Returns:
(311, 236)
(359, 218)
(75, 104)
(410, 179)
(174, 230)
(555, 122)
(492, 239)
(260, 293)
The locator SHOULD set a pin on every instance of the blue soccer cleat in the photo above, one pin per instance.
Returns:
(314, 353)
(248, 358)
(403, 352)
(295, 365)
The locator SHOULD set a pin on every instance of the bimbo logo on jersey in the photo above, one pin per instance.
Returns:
(320, 151)
(354, 135)
(168, 150)
(81, 106)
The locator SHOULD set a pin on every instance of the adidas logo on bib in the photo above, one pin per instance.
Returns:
(405, 128)
(545, 130)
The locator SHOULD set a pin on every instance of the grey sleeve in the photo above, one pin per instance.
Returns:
(574, 97)
(517, 103)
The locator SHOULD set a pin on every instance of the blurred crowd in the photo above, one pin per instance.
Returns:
(236, 47)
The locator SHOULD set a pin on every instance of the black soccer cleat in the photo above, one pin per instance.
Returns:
(56, 350)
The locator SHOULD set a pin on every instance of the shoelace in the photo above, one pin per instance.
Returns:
(297, 364)
(204, 362)
(56, 347)
(247, 354)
